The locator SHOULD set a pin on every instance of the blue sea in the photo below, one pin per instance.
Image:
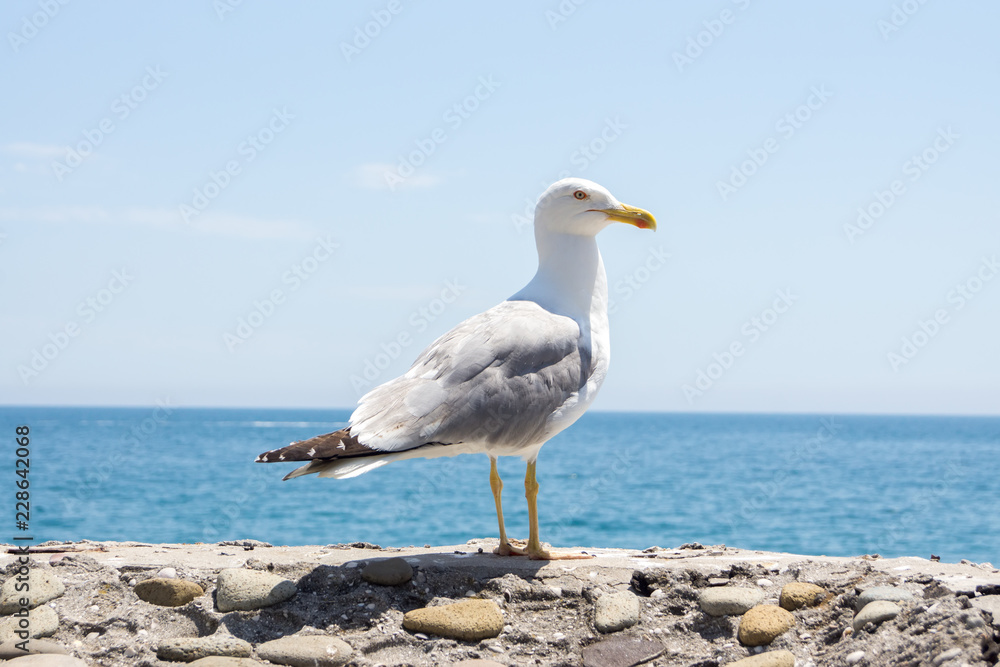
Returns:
(809, 484)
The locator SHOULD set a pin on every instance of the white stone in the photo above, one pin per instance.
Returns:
(616, 611)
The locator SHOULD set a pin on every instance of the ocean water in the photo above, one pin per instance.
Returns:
(810, 484)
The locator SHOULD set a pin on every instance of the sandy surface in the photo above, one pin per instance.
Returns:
(548, 607)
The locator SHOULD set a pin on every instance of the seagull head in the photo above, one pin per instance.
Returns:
(583, 208)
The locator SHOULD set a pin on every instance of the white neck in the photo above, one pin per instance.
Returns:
(570, 279)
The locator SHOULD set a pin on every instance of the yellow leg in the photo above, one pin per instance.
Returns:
(505, 548)
(535, 550)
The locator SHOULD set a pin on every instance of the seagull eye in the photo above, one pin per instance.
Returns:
(580, 194)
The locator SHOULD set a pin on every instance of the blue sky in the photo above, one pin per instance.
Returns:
(254, 204)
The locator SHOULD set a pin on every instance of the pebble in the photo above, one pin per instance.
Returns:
(246, 590)
(764, 583)
(876, 612)
(854, 657)
(193, 648)
(769, 659)
(167, 573)
(621, 652)
(479, 663)
(947, 655)
(46, 660)
(43, 621)
(616, 611)
(886, 593)
(729, 600)
(468, 620)
(44, 586)
(167, 592)
(799, 594)
(387, 572)
(761, 625)
(223, 661)
(306, 651)
(9, 649)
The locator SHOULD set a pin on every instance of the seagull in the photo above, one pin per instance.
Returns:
(504, 382)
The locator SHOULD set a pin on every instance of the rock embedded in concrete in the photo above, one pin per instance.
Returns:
(246, 590)
(43, 585)
(46, 660)
(763, 624)
(9, 650)
(166, 592)
(886, 593)
(799, 594)
(990, 603)
(769, 659)
(621, 652)
(306, 651)
(468, 620)
(192, 648)
(876, 612)
(616, 611)
(477, 662)
(729, 600)
(387, 572)
(42, 621)
(223, 661)
(854, 657)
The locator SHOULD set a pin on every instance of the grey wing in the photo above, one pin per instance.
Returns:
(496, 378)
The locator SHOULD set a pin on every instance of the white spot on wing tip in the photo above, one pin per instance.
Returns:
(342, 446)
(281, 457)
(311, 452)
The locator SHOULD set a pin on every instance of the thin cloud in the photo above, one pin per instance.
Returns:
(372, 176)
(167, 219)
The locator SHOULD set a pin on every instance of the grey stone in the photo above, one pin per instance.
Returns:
(990, 603)
(854, 657)
(166, 592)
(46, 660)
(769, 659)
(224, 661)
(9, 649)
(387, 572)
(44, 622)
(616, 611)
(306, 651)
(947, 655)
(43, 586)
(621, 652)
(729, 600)
(193, 648)
(246, 590)
(886, 593)
(876, 612)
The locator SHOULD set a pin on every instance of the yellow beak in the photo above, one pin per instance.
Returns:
(631, 216)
